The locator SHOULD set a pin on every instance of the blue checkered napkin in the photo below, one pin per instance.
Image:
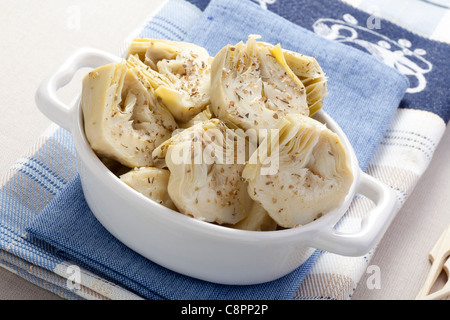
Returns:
(28, 187)
(357, 82)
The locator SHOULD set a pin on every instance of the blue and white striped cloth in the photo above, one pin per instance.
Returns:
(48, 172)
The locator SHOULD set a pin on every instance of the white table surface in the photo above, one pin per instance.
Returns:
(35, 36)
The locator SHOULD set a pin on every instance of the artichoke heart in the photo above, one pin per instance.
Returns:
(122, 118)
(205, 173)
(252, 86)
(151, 182)
(313, 175)
(308, 70)
(257, 220)
(186, 69)
(203, 116)
(310, 73)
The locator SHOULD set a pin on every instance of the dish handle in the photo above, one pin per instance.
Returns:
(46, 99)
(373, 225)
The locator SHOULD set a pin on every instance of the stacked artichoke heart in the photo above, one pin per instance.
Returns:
(226, 139)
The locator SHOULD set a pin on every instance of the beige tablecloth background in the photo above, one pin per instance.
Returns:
(35, 36)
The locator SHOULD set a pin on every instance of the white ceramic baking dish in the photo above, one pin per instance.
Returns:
(196, 248)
